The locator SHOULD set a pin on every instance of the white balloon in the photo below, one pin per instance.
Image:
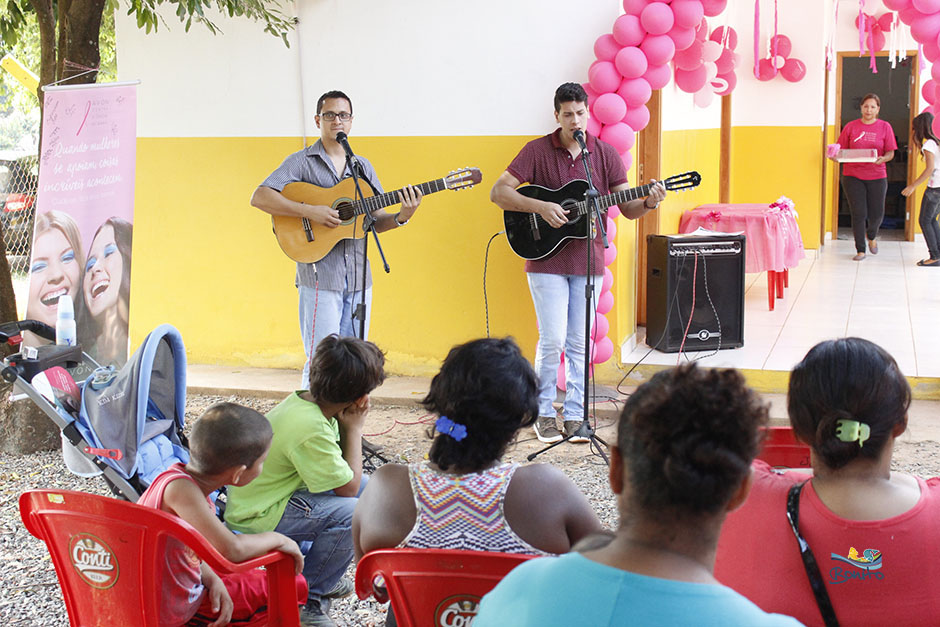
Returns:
(703, 98)
(711, 70)
(718, 84)
(779, 61)
(737, 59)
(711, 51)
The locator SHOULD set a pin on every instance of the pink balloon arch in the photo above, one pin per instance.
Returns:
(923, 18)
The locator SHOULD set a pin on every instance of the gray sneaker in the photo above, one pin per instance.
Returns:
(547, 430)
(571, 428)
(343, 588)
(313, 614)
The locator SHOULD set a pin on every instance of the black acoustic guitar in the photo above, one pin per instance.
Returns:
(531, 237)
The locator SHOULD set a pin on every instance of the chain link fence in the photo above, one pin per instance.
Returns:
(18, 185)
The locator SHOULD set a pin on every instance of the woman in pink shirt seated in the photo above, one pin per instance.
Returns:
(872, 533)
(866, 184)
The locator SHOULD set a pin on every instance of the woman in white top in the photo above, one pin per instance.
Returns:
(929, 147)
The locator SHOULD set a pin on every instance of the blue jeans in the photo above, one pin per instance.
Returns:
(559, 309)
(929, 209)
(321, 524)
(323, 312)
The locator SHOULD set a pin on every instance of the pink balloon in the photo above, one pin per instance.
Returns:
(635, 91)
(688, 13)
(609, 108)
(659, 49)
(897, 5)
(908, 15)
(793, 70)
(926, 28)
(691, 57)
(627, 159)
(560, 380)
(765, 70)
(682, 37)
(784, 45)
(604, 77)
(628, 31)
(593, 127)
(886, 22)
(725, 62)
(591, 94)
(714, 7)
(732, 80)
(608, 278)
(631, 62)
(876, 40)
(931, 51)
(690, 81)
(612, 224)
(926, 6)
(701, 31)
(719, 32)
(610, 253)
(711, 50)
(606, 300)
(658, 76)
(637, 118)
(935, 72)
(601, 324)
(619, 135)
(936, 92)
(634, 7)
(603, 350)
(935, 127)
(703, 98)
(606, 47)
(657, 18)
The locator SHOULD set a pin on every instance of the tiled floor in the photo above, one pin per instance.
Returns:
(885, 298)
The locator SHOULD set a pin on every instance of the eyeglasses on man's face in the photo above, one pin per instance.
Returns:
(329, 116)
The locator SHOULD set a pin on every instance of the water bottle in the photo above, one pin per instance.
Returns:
(65, 322)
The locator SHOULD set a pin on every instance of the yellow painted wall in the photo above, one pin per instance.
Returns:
(772, 161)
(207, 262)
(698, 150)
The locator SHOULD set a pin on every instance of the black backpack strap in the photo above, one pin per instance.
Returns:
(809, 560)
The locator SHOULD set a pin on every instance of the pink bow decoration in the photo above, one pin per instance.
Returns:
(714, 215)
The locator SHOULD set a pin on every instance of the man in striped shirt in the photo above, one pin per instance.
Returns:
(331, 288)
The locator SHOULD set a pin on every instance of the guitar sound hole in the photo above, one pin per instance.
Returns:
(346, 212)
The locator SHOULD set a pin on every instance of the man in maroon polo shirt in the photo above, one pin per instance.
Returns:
(558, 283)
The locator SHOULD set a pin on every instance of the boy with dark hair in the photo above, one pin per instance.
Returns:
(228, 446)
(313, 476)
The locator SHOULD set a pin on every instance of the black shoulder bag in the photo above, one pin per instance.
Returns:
(809, 560)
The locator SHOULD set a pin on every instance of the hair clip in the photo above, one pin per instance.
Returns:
(448, 427)
(852, 430)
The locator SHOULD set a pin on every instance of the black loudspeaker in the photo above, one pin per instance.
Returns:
(715, 265)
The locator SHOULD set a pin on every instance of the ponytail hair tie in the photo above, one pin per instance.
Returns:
(852, 430)
(448, 427)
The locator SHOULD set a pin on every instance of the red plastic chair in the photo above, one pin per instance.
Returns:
(782, 449)
(433, 586)
(106, 554)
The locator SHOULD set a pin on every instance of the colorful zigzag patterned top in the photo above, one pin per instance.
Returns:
(463, 511)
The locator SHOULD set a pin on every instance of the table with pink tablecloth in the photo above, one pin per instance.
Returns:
(774, 244)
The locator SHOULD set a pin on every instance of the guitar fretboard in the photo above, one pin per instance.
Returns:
(615, 198)
(380, 201)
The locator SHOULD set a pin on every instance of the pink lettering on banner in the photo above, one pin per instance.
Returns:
(85, 213)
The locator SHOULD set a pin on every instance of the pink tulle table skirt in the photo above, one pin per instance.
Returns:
(773, 237)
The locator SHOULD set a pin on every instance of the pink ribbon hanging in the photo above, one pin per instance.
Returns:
(756, 38)
(773, 52)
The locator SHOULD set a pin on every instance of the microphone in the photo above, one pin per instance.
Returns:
(342, 141)
(578, 136)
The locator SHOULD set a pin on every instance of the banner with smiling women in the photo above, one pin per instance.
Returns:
(84, 214)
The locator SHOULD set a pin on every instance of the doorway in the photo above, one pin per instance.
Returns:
(897, 88)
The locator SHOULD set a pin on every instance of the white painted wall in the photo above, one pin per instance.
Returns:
(422, 67)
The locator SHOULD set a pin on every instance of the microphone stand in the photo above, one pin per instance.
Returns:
(368, 224)
(596, 222)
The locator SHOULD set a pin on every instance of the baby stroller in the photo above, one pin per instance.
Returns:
(127, 424)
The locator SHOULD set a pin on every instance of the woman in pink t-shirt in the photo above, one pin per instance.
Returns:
(866, 184)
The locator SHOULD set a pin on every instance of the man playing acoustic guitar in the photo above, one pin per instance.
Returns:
(330, 289)
(558, 282)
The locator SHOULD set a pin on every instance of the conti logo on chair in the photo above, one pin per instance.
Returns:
(94, 560)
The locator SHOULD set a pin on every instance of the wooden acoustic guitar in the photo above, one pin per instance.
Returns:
(306, 242)
(531, 237)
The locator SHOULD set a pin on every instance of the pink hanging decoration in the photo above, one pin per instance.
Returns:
(773, 52)
(757, 38)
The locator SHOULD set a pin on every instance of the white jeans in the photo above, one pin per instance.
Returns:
(323, 312)
(559, 309)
